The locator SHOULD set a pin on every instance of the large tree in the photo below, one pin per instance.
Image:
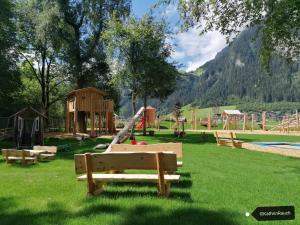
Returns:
(84, 23)
(39, 46)
(278, 20)
(143, 54)
(9, 75)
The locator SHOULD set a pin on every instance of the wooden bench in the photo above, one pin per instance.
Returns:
(46, 152)
(22, 156)
(164, 147)
(227, 138)
(90, 165)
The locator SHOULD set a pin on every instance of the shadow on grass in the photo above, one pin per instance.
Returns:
(184, 174)
(116, 194)
(149, 215)
(57, 213)
(183, 183)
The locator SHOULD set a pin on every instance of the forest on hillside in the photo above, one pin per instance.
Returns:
(236, 76)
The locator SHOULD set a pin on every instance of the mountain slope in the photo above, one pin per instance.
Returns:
(234, 75)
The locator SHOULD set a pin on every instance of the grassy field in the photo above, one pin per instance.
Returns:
(218, 186)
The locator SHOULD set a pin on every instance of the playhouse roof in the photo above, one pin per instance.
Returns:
(150, 107)
(88, 89)
(26, 110)
(233, 112)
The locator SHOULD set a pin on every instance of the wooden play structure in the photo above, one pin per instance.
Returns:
(228, 139)
(90, 102)
(232, 120)
(150, 118)
(288, 123)
(91, 164)
(28, 126)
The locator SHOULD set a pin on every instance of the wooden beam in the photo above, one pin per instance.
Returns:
(89, 174)
(92, 120)
(161, 175)
(244, 122)
(124, 131)
(75, 122)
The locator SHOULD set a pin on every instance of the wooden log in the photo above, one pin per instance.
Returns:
(124, 131)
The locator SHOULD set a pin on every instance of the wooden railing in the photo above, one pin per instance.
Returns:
(6, 132)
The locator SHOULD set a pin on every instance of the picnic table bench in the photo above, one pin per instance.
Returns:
(90, 165)
(228, 139)
(45, 152)
(162, 147)
(22, 156)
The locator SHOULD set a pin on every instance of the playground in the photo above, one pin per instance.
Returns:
(218, 186)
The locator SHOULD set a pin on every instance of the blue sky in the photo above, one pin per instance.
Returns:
(190, 49)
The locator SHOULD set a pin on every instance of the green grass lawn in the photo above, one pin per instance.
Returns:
(218, 186)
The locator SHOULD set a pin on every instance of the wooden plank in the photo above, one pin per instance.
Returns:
(160, 171)
(51, 149)
(16, 153)
(129, 177)
(88, 168)
(164, 147)
(123, 161)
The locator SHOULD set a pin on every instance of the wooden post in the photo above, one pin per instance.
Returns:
(297, 118)
(89, 174)
(170, 123)
(92, 121)
(107, 121)
(234, 122)
(244, 122)
(209, 121)
(228, 122)
(75, 122)
(252, 122)
(99, 122)
(161, 176)
(264, 121)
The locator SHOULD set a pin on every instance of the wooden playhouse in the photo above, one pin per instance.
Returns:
(98, 113)
(28, 126)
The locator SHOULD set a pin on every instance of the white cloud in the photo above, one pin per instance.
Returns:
(170, 10)
(193, 50)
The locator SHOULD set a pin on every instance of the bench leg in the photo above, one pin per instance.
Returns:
(167, 186)
(165, 192)
(95, 189)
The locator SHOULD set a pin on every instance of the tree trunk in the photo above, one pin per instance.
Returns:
(145, 116)
(133, 104)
